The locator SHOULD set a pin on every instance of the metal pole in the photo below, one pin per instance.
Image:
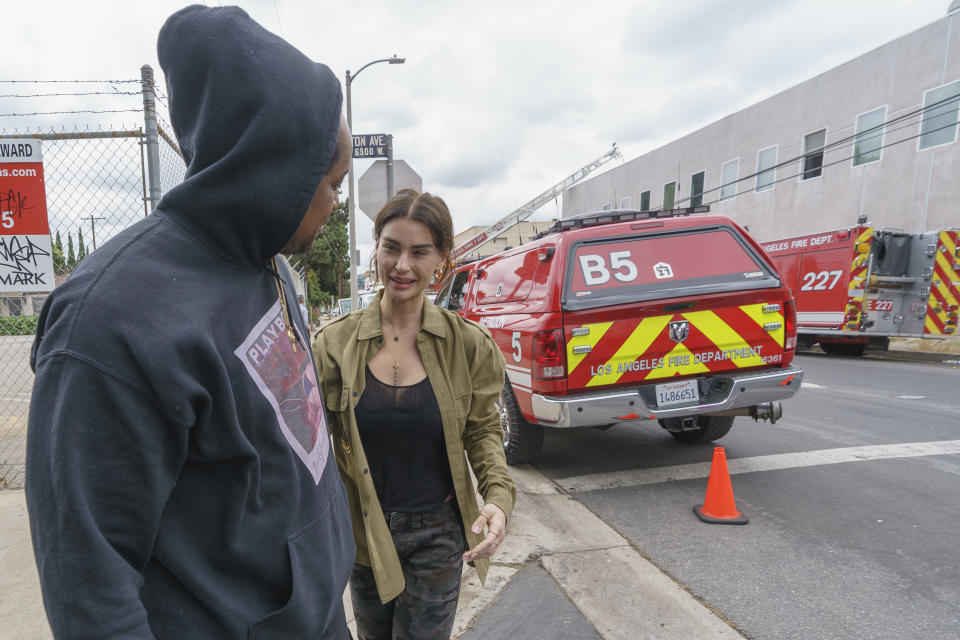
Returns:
(389, 166)
(152, 136)
(352, 208)
(93, 229)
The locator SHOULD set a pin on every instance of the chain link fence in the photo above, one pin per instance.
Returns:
(97, 184)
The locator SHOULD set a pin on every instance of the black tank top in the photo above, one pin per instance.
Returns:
(402, 434)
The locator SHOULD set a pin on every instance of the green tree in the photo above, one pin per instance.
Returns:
(328, 259)
(314, 292)
(71, 256)
(317, 298)
(59, 261)
(81, 249)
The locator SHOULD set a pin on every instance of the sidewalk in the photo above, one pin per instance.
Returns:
(562, 574)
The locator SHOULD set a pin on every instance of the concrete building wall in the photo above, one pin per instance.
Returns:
(909, 189)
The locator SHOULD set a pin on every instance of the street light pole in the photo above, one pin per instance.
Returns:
(351, 191)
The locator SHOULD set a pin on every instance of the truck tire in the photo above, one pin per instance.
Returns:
(522, 440)
(842, 349)
(708, 429)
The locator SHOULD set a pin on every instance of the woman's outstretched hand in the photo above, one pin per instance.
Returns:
(496, 522)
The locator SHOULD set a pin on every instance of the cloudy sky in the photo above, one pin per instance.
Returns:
(497, 100)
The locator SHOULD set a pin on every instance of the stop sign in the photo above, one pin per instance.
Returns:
(372, 185)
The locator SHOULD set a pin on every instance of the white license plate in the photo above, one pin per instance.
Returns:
(677, 393)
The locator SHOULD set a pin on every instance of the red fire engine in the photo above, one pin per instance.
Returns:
(860, 286)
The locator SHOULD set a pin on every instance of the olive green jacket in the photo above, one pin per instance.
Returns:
(465, 368)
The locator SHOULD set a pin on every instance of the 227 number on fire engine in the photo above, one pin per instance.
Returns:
(817, 281)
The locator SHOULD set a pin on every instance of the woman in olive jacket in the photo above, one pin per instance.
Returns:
(409, 387)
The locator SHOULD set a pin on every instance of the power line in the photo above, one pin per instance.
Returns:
(55, 113)
(280, 22)
(52, 95)
(67, 81)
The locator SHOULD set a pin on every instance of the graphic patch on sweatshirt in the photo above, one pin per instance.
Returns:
(288, 381)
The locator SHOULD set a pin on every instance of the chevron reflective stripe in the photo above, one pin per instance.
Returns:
(595, 332)
(763, 318)
(858, 276)
(716, 340)
(722, 334)
(639, 341)
(676, 365)
(943, 305)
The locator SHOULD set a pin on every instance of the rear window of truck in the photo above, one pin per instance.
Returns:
(699, 261)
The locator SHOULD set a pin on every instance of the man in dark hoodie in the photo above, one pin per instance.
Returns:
(179, 476)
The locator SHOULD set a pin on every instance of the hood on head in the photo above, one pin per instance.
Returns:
(257, 122)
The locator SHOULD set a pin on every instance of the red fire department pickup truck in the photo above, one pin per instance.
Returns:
(628, 316)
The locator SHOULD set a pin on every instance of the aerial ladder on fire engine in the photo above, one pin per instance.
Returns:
(525, 211)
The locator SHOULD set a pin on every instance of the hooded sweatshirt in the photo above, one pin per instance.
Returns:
(179, 476)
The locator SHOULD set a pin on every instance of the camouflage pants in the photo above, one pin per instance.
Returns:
(430, 546)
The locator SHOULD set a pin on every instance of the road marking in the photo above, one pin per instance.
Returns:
(912, 397)
(812, 385)
(637, 477)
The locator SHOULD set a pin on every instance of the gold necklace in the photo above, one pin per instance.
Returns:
(287, 320)
(396, 360)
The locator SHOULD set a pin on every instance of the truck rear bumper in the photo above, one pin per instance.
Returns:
(718, 393)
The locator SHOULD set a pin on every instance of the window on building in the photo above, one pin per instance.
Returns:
(813, 144)
(729, 172)
(607, 206)
(645, 201)
(868, 142)
(696, 189)
(766, 168)
(939, 124)
(625, 202)
(669, 193)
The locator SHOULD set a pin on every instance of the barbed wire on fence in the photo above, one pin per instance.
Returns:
(95, 181)
(71, 94)
(63, 113)
(128, 81)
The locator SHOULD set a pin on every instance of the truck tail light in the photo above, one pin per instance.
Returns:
(790, 328)
(549, 359)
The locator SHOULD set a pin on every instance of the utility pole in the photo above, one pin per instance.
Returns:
(93, 229)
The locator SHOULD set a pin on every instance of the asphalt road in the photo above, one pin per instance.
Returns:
(853, 527)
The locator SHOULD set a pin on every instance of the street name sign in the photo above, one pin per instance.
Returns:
(370, 145)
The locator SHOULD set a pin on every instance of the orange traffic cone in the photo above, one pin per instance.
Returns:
(718, 507)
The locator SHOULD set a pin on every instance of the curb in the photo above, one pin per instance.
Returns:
(618, 591)
(917, 356)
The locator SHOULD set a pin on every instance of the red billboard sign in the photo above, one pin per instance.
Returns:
(26, 258)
